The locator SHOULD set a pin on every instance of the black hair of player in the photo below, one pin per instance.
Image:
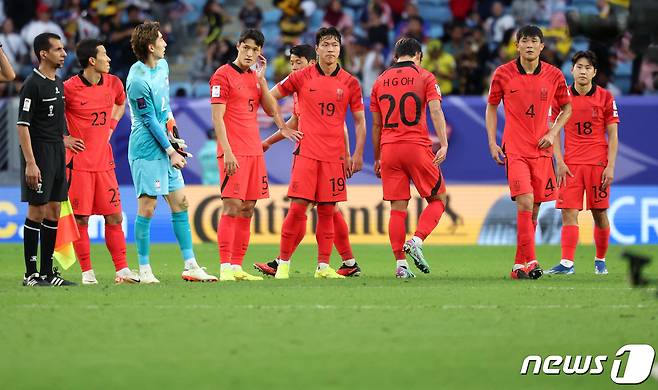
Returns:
(407, 47)
(86, 49)
(253, 34)
(303, 51)
(530, 31)
(327, 32)
(42, 42)
(588, 55)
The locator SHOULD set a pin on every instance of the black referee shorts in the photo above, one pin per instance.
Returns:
(51, 160)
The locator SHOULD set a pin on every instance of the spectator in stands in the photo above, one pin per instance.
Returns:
(215, 17)
(461, 8)
(455, 43)
(383, 11)
(525, 11)
(397, 9)
(217, 53)
(414, 29)
(335, 16)
(75, 23)
(410, 12)
(117, 34)
(292, 23)
(373, 66)
(41, 24)
(15, 49)
(441, 64)
(497, 24)
(251, 15)
(207, 156)
(376, 28)
(471, 67)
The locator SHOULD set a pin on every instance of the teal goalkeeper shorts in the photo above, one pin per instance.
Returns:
(155, 177)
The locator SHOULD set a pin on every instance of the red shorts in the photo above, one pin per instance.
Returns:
(249, 182)
(317, 181)
(586, 180)
(402, 163)
(94, 193)
(531, 176)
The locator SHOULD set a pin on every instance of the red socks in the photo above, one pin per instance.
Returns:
(240, 239)
(116, 244)
(225, 235)
(324, 233)
(569, 242)
(429, 218)
(397, 231)
(82, 250)
(525, 236)
(291, 231)
(342, 236)
(601, 239)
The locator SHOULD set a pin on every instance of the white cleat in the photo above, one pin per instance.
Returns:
(126, 276)
(147, 277)
(198, 274)
(88, 277)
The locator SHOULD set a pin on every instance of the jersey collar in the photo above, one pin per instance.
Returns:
(333, 74)
(589, 93)
(237, 68)
(87, 82)
(403, 64)
(522, 71)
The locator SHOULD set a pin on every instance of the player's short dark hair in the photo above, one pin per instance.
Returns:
(42, 42)
(253, 34)
(530, 31)
(86, 49)
(407, 47)
(588, 55)
(144, 35)
(304, 51)
(327, 32)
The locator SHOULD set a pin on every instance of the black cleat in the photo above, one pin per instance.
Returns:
(55, 279)
(35, 280)
(348, 271)
(519, 274)
(534, 270)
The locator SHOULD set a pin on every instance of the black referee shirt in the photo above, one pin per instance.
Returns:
(41, 108)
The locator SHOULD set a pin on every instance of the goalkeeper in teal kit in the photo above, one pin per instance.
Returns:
(155, 152)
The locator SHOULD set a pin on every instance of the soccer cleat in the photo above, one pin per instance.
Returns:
(242, 276)
(533, 269)
(348, 271)
(415, 250)
(327, 273)
(600, 268)
(35, 280)
(147, 277)
(519, 274)
(56, 279)
(198, 274)
(89, 277)
(226, 275)
(403, 273)
(561, 270)
(268, 269)
(282, 271)
(126, 276)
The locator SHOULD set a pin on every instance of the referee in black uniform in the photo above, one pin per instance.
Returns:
(41, 126)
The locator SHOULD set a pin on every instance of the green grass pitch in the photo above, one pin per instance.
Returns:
(466, 325)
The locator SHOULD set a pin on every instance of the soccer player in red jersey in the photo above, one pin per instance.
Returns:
(403, 150)
(325, 91)
(589, 162)
(527, 87)
(302, 56)
(95, 102)
(236, 93)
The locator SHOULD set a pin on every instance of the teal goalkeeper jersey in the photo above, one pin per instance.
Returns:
(148, 95)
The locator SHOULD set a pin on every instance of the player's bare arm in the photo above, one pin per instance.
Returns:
(271, 107)
(32, 172)
(117, 113)
(6, 71)
(376, 141)
(562, 168)
(292, 123)
(439, 121)
(491, 119)
(613, 144)
(348, 153)
(360, 130)
(230, 162)
(562, 118)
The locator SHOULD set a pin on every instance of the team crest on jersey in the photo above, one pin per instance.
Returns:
(157, 184)
(615, 114)
(543, 94)
(141, 103)
(216, 91)
(595, 112)
(339, 94)
(57, 90)
(438, 89)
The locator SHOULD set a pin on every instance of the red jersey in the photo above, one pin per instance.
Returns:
(88, 115)
(241, 93)
(401, 94)
(323, 101)
(527, 99)
(585, 139)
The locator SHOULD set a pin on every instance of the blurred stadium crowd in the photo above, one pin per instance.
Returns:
(465, 40)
